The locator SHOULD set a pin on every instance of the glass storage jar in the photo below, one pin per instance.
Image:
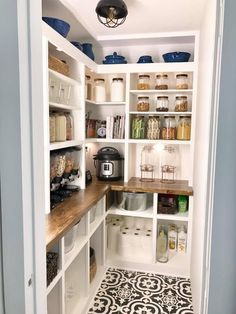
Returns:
(88, 87)
(181, 103)
(60, 135)
(143, 81)
(69, 126)
(52, 127)
(184, 128)
(153, 128)
(170, 163)
(168, 130)
(138, 127)
(162, 103)
(148, 163)
(99, 90)
(182, 81)
(143, 103)
(161, 81)
(117, 89)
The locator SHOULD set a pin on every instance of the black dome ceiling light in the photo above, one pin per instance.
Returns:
(111, 13)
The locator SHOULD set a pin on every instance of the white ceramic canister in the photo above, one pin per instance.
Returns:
(60, 128)
(117, 89)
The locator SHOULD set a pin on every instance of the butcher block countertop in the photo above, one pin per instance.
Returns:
(68, 213)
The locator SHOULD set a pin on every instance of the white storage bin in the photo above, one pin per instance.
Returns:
(69, 239)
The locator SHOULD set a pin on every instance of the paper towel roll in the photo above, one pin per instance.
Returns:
(112, 236)
(148, 224)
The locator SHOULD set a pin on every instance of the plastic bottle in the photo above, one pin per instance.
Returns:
(172, 238)
(182, 240)
(162, 252)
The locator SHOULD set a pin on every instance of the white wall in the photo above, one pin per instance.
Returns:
(202, 140)
(222, 285)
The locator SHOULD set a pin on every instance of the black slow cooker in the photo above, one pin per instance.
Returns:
(109, 164)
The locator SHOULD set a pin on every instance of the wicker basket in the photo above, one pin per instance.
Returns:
(93, 265)
(52, 259)
(58, 65)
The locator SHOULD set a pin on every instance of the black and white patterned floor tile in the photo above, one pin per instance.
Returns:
(131, 292)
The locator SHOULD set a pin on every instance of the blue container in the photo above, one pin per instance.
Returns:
(60, 26)
(176, 56)
(88, 50)
(114, 59)
(77, 44)
(145, 59)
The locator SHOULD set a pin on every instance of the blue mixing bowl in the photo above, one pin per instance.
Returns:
(77, 45)
(60, 26)
(176, 56)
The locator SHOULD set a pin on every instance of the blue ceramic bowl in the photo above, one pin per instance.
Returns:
(60, 26)
(176, 56)
(114, 59)
(77, 44)
(145, 59)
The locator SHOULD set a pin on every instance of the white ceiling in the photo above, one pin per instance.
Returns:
(144, 16)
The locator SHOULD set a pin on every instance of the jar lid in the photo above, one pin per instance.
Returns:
(141, 97)
(88, 77)
(162, 97)
(161, 76)
(171, 117)
(182, 75)
(184, 116)
(99, 79)
(117, 79)
(144, 76)
(181, 97)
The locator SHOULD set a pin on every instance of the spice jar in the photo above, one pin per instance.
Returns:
(184, 128)
(99, 90)
(138, 127)
(52, 127)
(153, 128)
(88, 87)
(182, 81)
(69, 126)
(181, 103)
(168, 131)
(162, 103)
(161, 81)
(143, 103)
(117, 89)
(144, 81)
(60, 135)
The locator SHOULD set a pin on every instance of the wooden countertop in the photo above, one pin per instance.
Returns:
(68, 213)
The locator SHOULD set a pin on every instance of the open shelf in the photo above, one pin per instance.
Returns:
(160, 91)
(54, 105)
(104, 140)
(54, 282)
(106, 103)
(148, 213)
(64, 78)
(162, 113)
(59, 145)
(164, 142)
(176, 217)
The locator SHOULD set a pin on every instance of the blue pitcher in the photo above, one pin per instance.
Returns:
(88, 50)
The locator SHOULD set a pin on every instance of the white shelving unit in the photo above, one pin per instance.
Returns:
(75, 264)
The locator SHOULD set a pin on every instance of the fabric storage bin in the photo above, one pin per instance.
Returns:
(52, 259)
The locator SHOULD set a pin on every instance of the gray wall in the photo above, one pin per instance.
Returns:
(222, 292)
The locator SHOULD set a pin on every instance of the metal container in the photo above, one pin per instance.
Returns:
(109, 164)
(134, 201)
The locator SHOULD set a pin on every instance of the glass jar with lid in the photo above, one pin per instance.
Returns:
(99, 90)
(148, 163)
(153, 128)
(117, 89)
(169, 163)
(138, 127)
(88, 87)
(143, 103)
(168, 130)
(143, 81)
(184, 128)
(182, 81)
(162, 103)
(181, 103)
(162, 81)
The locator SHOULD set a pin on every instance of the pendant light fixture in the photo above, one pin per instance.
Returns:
(111, 13)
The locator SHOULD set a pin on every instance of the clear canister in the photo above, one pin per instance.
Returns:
(138, 127)
(182, 81)
(168, 130)
(153, 128)
(162, 81)
(162, 103)
(117, 89)
(181, 103)
(69, 126)
(88, 87)
(184, 128)
(60, 135)
(144, 81)
(52, 127)
(143, 103)
(99, 90)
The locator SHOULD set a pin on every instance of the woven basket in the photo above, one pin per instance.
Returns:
(58, 65)
(52, 259)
